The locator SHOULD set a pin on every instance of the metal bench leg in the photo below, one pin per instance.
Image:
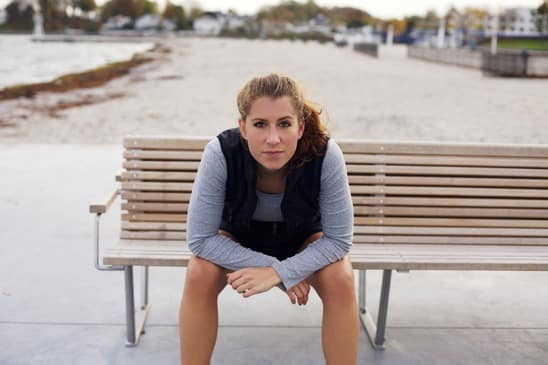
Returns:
(375, 332)
(134, 332)
(144, 303)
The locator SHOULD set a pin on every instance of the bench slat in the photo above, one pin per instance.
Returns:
(449, 202)
(135, 154)
(429, 160)
(450, 240)
(459, 222)
(436, 191)
(148, 217)
(445, 148)
(153, 235)
(443, 212)
(150, 186)
(161, 165)
(445, 181)
(155, 196)
(166, 142)
(158, 176)
(445, 171)
(445, 231)
(156, 207)
(153, 226)
(362, 180)
(388, 202)
(357, 190)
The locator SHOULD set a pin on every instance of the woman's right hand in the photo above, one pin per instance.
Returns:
(299, 293)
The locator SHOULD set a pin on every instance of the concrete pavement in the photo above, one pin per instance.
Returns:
(55, 308)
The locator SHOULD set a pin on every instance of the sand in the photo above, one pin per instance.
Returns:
(192, 91)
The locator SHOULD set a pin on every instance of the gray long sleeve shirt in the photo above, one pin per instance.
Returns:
(206, 207)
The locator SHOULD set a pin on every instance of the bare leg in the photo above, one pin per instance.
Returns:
(340, 323)
(198, 315)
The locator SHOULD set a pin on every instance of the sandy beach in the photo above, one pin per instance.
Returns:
(192, 90)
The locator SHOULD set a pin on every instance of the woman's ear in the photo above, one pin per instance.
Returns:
(243, 132)
(301, 128)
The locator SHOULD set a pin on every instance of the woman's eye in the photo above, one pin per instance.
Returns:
(259, 124)
(285, 124)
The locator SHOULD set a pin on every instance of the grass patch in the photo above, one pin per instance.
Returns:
(529, 44)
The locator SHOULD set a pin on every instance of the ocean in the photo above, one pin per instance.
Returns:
(23, 61)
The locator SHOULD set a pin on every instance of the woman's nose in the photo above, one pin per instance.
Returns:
(273, 136)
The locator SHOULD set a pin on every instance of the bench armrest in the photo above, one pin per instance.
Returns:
(102, 206)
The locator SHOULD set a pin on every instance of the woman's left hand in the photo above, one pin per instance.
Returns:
(253, 280)
(299, 293)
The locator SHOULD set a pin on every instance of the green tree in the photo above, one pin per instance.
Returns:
(129, 8)
(176, 13)
(147, 7)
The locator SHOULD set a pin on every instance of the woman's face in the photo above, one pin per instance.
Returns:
(272, 130)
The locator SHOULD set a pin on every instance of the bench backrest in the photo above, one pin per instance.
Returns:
(404, 193)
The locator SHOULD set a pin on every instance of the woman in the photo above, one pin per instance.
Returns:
(270, 207)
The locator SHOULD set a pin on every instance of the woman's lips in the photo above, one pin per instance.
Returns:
(273, 153)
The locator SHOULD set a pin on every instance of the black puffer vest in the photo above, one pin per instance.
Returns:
(300, 204)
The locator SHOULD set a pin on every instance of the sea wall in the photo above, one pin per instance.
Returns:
(515, 63)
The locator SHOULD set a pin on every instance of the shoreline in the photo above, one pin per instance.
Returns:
(86, 79)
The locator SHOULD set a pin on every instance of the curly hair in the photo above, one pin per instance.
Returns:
(315, 135)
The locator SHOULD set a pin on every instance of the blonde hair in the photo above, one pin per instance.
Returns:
(315, 135)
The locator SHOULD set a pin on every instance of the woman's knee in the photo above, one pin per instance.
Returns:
(335, 281)
(204, 276)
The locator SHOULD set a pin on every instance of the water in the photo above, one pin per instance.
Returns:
(24, 62)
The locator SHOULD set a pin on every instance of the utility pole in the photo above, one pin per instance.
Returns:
(495, 26)
(38, 20)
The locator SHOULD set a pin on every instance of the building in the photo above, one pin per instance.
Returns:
(235, 21)
(3, 16)
(117, 22)
(514, 22)
(210, 23)
(148, 22)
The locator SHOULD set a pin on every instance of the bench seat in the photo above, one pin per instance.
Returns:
(364, 256)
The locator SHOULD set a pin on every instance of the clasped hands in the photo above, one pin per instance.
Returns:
(256, 280)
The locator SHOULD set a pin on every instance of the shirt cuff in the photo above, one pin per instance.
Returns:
(287, 281)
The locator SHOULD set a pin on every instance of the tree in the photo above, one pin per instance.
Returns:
(129, 8)
(53, 14)
(84, 5)
(147, 7)
(176, 13)
(541, 14)
(19, 18)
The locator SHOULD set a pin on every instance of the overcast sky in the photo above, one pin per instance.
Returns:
(377, 8)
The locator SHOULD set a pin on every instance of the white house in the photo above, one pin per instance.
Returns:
(116, 22)
(209, 24)
(234, 21)
(148, 22)
(514, 21)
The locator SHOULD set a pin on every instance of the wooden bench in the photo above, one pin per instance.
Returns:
(418, 206)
